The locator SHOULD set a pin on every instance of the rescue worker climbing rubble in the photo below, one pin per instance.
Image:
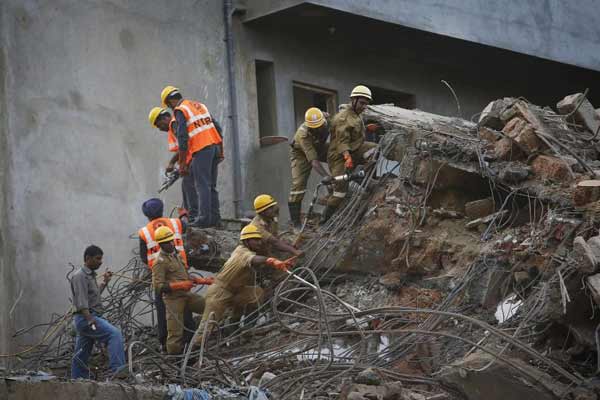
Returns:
(308, 150)
(266, 221)
(171, 280)
(149, 252)
(235, 287)
(348, 146)
(160, 118)
(200, 150)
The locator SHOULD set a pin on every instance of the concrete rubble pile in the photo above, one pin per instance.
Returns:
(466, 265)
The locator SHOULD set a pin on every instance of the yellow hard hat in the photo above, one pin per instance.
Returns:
(154, 113)
(262, 202)
(163, 234)
(314, 117)
(250, 232)
(166, 92)
(361, 91)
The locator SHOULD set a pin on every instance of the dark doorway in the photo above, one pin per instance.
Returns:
(306, 96)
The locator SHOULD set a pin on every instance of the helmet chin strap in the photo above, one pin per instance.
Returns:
(354, 101)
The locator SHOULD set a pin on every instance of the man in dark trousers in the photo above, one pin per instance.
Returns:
(198, 135)
(149, 250)
(87, 318)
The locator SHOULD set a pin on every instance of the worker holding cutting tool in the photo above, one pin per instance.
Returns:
(235, 286)
(87, 318)
(308, 150)
(348, 145)
(161, 119)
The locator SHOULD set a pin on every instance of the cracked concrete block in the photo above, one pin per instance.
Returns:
(584, 256)
(498, 381)
(585, 115)
(479, 208)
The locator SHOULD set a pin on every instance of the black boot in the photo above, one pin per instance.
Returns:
(329, 211)
(294, 209)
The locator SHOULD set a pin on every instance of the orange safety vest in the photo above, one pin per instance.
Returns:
(201, 129)
(173, 143)
(172, 138)
(147, 235)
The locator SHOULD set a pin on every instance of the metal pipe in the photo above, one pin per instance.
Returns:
(235, 137)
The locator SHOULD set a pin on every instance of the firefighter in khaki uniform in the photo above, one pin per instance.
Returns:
(348, 145)
(308, 149)
(235, 286)
(170, 279)
(266, 221)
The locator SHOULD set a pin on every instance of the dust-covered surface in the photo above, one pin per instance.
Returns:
(464, 265)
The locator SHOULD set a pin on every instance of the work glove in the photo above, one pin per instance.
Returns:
(182, 212)
(181, 285)
(203, 281)
(348, 164)
(278, 264)
(372, 128)
(327, 180)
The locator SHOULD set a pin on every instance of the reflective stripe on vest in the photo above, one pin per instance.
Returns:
(153, 248)
(171, 137)
(198, 120)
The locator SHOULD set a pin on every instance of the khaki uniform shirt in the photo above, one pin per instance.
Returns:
(307, 142)
(268, 229)
(237, 271)
(169, 268)
(347, 133)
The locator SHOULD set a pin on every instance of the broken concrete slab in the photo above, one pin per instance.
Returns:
(584, 114)
(515, 172)
(80, 389)
(479, 208)
(593, 284)
(491, 116)
(498, 381)
(586, 261)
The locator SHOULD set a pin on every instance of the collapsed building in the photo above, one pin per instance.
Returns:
(463, 266)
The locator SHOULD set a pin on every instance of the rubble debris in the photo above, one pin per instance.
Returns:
(479, 376)
(450, 256)
(479, 208)
(582, 111)
(368, 376)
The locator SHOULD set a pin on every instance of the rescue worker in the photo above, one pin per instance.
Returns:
(87, 318)
(235, 286)
(200, 151)
(170, 279)
(348, 146)
(160, 118)
(149, 252)
(308, 150)
(265, 220)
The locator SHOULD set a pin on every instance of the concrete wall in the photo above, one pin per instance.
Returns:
(564, 31)
(6, 243)
(81, 76)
